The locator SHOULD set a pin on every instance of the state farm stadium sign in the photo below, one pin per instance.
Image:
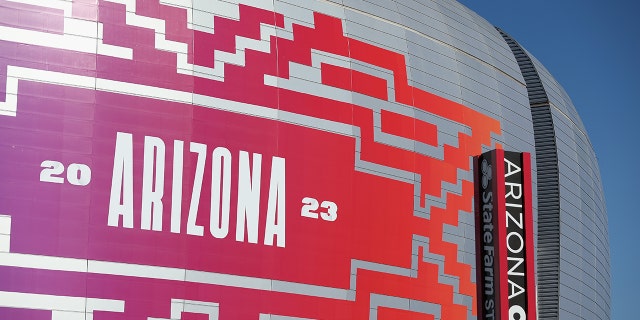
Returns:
(504, 224)
(152, 173)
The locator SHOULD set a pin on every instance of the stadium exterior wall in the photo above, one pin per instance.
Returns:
(277, 159)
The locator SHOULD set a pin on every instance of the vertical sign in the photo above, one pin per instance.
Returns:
(504, 233)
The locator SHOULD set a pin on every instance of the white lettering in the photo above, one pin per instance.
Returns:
(275, 224)
(248, 197)
(520, 240)
(514, 289)
(513, 186)
(511, 168)
(221, 178)
(310, 205)
(511, 271)
(332, 211)
(192, 227)
(248, 191)
(176, 186)
(512, 218)
(152, 184)
(121, 199)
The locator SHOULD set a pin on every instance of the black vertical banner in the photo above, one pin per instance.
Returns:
(486, 244)
(515, 236)
(504, 230)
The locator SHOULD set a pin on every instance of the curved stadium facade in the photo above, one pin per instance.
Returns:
(278, 159)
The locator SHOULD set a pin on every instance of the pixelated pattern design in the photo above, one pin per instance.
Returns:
(196, 70)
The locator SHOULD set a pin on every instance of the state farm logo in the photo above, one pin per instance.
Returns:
(487, 174)
(487, 250)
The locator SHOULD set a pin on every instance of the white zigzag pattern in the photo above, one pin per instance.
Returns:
(206, 10)
(79, 35)
(61, 307)
(223, 9)
(86, 36)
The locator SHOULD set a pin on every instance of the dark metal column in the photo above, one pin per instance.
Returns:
(548, 253)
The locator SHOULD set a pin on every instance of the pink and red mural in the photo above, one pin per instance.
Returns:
(262, 169)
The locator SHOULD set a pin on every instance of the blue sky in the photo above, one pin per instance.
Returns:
(593, 49)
